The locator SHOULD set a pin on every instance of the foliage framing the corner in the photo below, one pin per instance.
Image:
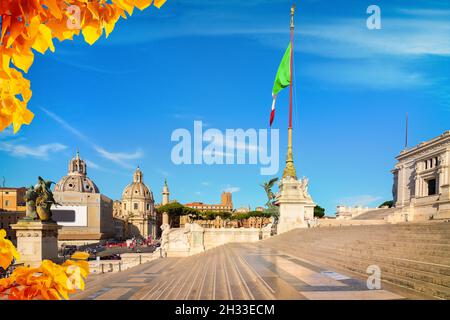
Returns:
(49, 281)
(32, 24)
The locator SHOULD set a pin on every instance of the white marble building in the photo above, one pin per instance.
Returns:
(421, 181)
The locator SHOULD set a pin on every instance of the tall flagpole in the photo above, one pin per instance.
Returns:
(289, 170)
(291, 64)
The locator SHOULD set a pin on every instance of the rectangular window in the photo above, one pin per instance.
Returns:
(6, 203)
(136, 206)
(431, 187)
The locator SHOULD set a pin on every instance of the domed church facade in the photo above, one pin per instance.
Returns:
(138, 207)
(83, 212)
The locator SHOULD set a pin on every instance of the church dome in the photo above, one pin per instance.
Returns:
(137, 189)
(77, 179)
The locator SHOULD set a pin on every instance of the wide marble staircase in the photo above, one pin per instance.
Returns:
(379, 214)
(411, 255)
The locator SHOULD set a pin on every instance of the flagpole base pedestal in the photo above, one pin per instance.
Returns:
(296, 206)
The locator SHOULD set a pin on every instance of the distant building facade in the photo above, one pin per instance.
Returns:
(226, 204)
(138, 208)
(12, 199)
(86, 216)
(8, 218)
(243, 210)
(421, 188)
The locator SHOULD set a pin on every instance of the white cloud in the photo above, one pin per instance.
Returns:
(7, 133)
(425, 12)
(66, 125)
(24, 151)
(366, 74)
(120, 158)
(359, 200)
(92, 165)
(412, 37)
(232, 189)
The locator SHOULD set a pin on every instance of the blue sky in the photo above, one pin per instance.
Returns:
(119, 100)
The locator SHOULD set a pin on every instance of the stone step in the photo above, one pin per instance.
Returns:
(439, 237)
(434, 254)
(439, 264)
(434, 250)
(442, 271)
(425, 272)
(412, 255)
(361, 263)
(442, 239)
(360, 267)
(422, 256)
(428, 288)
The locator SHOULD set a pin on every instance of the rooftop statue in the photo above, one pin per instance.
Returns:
(39, 199)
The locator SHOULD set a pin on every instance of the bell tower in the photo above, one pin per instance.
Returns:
(165, 193)
(77, 166)
(138, 176)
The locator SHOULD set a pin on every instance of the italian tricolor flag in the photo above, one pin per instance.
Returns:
(282, 80)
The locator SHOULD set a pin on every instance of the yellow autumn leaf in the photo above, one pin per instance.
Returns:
(80, 256)
(159, 3)
(33, 26)
(142, 4)
(7, 251)
(23, 61)
(44, 40)
(91, 34)
(125, 5)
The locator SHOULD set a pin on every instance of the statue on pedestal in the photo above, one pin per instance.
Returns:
(304, 187)
(271, 197)
(37, 233)
(39, 199)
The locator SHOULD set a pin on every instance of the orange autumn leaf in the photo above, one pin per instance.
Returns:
(49, 281)
(28, 26)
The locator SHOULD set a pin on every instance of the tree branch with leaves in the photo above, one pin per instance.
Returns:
(29, 26)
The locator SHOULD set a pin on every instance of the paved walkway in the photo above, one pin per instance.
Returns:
(234, 272)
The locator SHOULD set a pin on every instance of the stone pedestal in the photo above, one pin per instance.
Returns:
(196, 239)
(295, 204)
(36, 241)
(178, 242)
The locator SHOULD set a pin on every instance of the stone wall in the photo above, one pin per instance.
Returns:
(193, 239)
(217, 237)
(343, 212)
(345, 222)
(129, 260)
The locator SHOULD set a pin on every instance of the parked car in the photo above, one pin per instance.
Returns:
(111, 257)
(112, 244)
(69, 250)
